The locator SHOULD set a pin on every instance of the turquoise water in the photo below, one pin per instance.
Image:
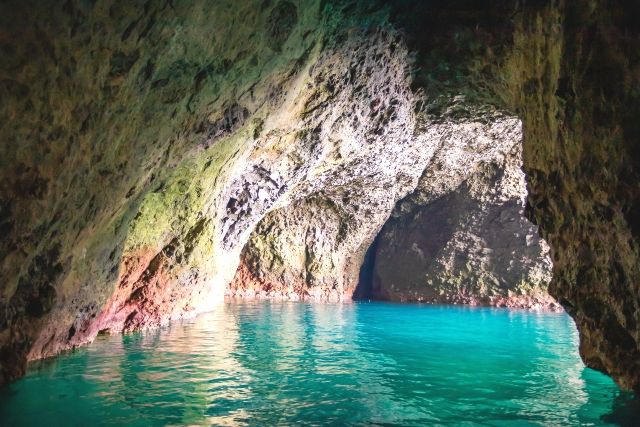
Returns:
(296, 363)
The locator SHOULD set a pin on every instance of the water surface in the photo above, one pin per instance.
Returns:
(295, 363)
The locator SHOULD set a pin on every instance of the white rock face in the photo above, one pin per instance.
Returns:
(353, 157)
(461, 236)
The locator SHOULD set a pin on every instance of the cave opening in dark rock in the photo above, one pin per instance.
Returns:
(470, 244)
(364, 289)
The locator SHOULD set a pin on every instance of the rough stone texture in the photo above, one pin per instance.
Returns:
(461, 235)
(471, 174)
(330, 193)
(571, 71)
(128, 131)
(168, 135)
(124, 126)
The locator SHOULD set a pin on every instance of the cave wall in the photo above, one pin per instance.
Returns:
(570, 70)
(579, 100)
(461, 236)
(142, 142)
(458, 234)
(123, 125)
(361, 158)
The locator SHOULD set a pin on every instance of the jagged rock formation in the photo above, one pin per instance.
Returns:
(195, 141)
(580, 106)
(569, 70)
(124, 127)
(142, 142)
(461, 235)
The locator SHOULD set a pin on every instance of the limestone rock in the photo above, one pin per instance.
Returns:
(456, 235)
(568, 70)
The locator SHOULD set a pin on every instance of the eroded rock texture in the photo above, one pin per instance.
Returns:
(165, 134)
(580, 105)
(570, 70)
(125, 129)
(466, 211)
(461, 235)
(142, 143)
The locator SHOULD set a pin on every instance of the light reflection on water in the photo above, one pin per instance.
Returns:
(283, 363)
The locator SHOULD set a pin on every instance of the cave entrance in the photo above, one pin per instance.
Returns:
(364, 289)
(462, 236)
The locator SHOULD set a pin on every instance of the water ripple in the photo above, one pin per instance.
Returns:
(322, 364)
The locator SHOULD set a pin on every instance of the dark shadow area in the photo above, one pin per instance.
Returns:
(444, 35)
(625, 411)
(364, 290)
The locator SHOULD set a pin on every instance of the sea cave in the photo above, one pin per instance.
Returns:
(319, 212)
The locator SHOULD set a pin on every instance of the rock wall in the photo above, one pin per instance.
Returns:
(580, 104)
(458, 235)
(124, 126)
(570, 70)
(360, 157)
(142, 142)
(461, 236)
